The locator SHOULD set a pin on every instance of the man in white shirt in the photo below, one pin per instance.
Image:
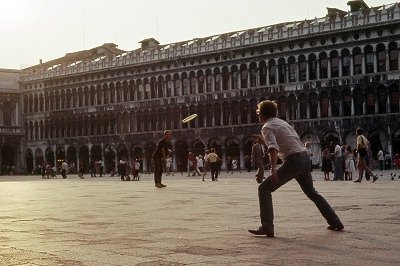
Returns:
(282, 140)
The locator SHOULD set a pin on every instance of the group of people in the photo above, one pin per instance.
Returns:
(49, 171)
(343, 160)
(126, 170)
(199, 165)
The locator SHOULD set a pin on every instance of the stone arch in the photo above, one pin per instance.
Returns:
(216, 144)
(247, 145)
(96, 153)
(396, 142)
(379, 139)
(232, 149)
(39, 156)
(198, 147)
(149, 147)
(136, 151)
(71, 155)
(84, 157)
(28, 159)
(181, 152)
(394, 98)
(122, 152)
(350, 139)
(329, 137)
(109, 159)
(49, 156)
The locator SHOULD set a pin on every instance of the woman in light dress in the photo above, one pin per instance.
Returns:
(349, 163)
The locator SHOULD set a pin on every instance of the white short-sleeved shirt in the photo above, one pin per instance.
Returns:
(279, 135)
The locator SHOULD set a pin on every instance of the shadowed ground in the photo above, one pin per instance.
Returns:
(103, 221)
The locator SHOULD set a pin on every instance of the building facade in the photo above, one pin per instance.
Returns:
(11, 135)
(329, 76)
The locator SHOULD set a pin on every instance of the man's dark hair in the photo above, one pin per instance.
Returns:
(268, 108)
(359, 131)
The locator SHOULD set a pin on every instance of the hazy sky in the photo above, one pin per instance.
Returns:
(48, 29)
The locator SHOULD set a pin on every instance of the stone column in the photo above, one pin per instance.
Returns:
(223, 166)
(351, 65)
(363, 63)
(329, 67)
(241, 157)
(16, 111)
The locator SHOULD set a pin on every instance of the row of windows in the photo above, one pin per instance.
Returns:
(300, 69)
(302, 106)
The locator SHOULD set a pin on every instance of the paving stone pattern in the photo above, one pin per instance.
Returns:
(103, 221)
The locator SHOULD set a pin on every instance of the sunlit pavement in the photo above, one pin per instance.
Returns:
(103, 221)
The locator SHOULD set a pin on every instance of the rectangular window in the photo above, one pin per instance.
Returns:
(313, 109)
(235, 80)
(185, 87)
(253, 78)
(272, 75)
(303, 71)
(369, 63)
(225, 81)
(335, 108)
(313, 69)
(218, 82)
(170, 85)
(357, 64)
(346, 65)
(335, 67)
(347, 106)
(303, 110)
(394, 57)
(370, 104)
(201, 84)
(324, 107)
(381, 61)
(394, 101)
(292, 73)
(263, 78)
(324, 69)
(209, 83)
(243, 78)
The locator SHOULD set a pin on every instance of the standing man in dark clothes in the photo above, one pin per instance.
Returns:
(160, 156)
(280, 138)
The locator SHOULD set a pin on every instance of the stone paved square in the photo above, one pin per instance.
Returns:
(103, 221)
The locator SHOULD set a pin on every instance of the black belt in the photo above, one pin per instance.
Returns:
(297, 154)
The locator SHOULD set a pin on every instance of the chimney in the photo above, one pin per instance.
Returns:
(149, 43)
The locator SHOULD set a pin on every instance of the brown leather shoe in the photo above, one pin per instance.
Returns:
(158, 185)
(337, 227)
(262, 232)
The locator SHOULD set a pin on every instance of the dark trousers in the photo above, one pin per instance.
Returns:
(64, 174)
(295, 166)
(158, 170)
(214, 170)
